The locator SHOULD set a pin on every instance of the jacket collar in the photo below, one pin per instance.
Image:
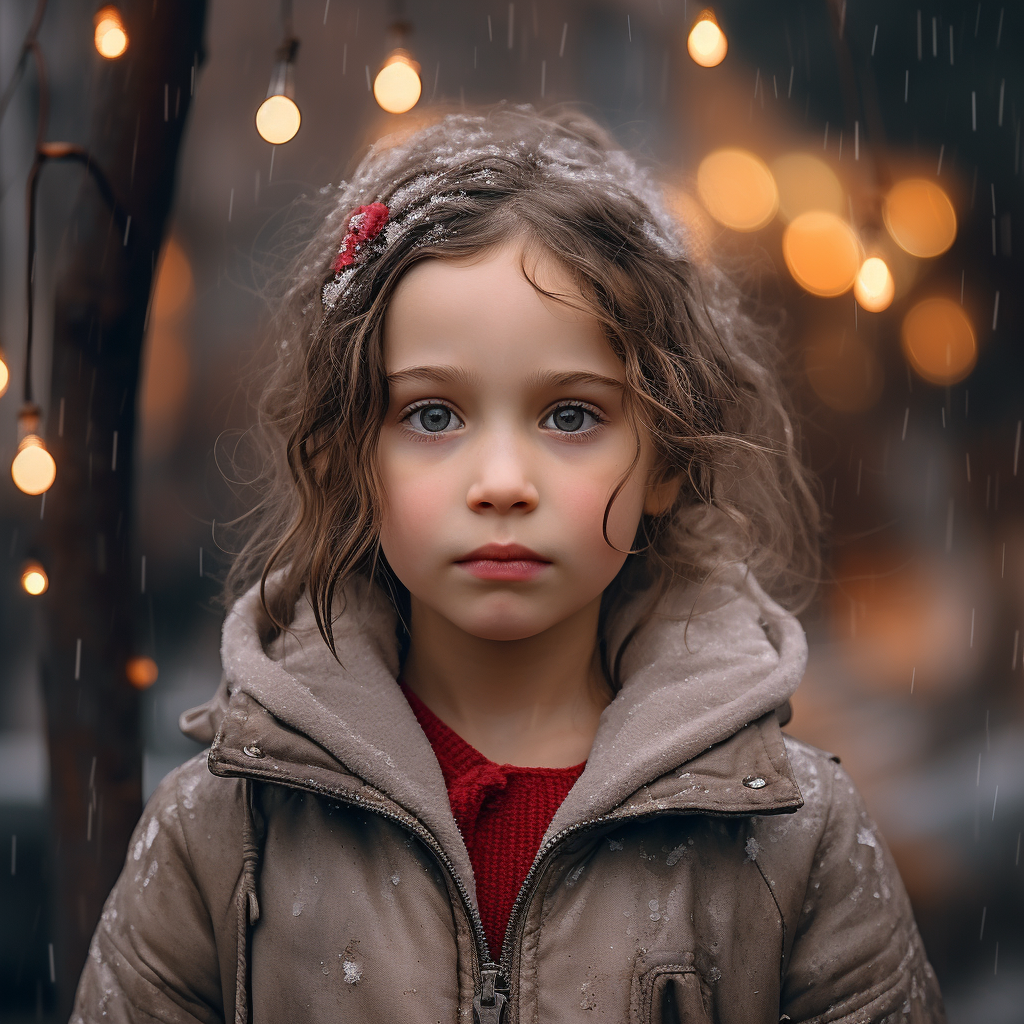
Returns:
(693, 719)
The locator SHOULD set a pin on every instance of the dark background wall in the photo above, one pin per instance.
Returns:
(916, 675)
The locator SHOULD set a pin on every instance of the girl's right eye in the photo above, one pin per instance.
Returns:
(433, 418)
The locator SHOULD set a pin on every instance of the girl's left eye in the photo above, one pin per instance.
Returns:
(433, 418)
(571, 419)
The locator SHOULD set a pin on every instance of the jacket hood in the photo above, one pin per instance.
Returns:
(711, 660)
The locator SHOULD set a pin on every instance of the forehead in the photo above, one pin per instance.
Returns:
(486, 316)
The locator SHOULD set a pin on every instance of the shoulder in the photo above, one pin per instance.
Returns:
(197, 817)
(789, 844)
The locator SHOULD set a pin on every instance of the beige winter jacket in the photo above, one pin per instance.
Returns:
(705, 868)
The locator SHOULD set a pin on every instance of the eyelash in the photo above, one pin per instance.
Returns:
(568, 435)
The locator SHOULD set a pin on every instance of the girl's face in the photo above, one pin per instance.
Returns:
(504, 439)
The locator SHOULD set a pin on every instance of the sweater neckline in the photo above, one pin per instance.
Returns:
(462, 756)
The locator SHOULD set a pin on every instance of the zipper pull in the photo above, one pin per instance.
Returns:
(491, 997)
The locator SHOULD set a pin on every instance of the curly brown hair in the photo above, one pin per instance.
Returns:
(701, 371)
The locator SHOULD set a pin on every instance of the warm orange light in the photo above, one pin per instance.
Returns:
(278, 119)
(706, 43)
(5, 374)
(822, 252)
(874, 287)
(110, 37)
(174, 287)
(33, 468)
(938, 341)
(845, 374)
(920, 217)
(806, 183)
(737, 189)
(34, 580)
(397, 86)
(142, 672)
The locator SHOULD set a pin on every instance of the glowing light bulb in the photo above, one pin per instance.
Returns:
(33, 468)
(706, 43)
(278, 119)
(822, 252)
(874, 287)
(34, 580)
(141, 672)
(397, 86)
(111, 38)
(5, 375)
(737, 189)
(938, 341)
(920, 217)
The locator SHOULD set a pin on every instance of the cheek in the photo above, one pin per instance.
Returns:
(584, 503)
(413, 514)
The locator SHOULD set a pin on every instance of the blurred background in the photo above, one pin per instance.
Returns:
(858, 165)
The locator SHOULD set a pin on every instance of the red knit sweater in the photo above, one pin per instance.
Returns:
(502, 812)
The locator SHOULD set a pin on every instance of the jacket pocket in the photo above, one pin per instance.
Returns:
(667, 989)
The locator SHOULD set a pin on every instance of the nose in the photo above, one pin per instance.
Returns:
(502, 481)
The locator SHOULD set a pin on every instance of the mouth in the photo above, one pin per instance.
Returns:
(503, 562)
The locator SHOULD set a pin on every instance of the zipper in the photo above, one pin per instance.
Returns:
(491, 998)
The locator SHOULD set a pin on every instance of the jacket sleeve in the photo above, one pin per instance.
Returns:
(154, 954)
(857, 957)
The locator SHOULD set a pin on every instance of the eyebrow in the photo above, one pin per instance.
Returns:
(432, 375)
(458, 375)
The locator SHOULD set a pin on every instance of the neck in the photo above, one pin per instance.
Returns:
(534, 702)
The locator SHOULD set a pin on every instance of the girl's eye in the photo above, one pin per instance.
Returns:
(571, 419)
(433, 419)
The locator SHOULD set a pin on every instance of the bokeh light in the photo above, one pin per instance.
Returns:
(33, 469)
(844, 372)
(397, 86)
(110, 36)
(806, 183)
(874, 288)
(278, 119)
(34, 580)
(920, 217)
(706, 42)
(822, 252)
(5, 374)
(938, 341)
(737, 189)
(141, 672)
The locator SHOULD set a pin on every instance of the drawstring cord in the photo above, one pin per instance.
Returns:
(248, 904)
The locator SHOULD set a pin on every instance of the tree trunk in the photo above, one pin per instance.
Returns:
(102, 295)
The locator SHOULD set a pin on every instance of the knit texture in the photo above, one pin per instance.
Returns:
(502, 812)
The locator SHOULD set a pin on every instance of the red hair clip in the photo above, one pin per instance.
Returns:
(364, 224)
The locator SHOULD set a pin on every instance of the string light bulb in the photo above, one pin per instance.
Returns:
(110, 36)
(142, 672)
(874, 287)
(33, 469)
(34, 580)
(706, 42)
(397, 86)
(278, 117)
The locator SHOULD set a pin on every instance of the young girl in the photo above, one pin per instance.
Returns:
(498, 738)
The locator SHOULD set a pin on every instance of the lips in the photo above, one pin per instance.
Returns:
(503, 562)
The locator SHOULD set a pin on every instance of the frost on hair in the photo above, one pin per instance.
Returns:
(700, 369)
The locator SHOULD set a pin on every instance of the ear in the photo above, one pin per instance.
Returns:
(661, 494)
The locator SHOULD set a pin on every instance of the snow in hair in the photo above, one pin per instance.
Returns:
(434, 167)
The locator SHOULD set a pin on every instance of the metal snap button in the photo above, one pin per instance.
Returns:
(254, 751)
(754, 782)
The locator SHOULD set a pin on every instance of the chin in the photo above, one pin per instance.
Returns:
(503, 628)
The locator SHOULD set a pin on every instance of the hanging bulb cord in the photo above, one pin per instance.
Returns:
(289, 43)
(45, 151)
